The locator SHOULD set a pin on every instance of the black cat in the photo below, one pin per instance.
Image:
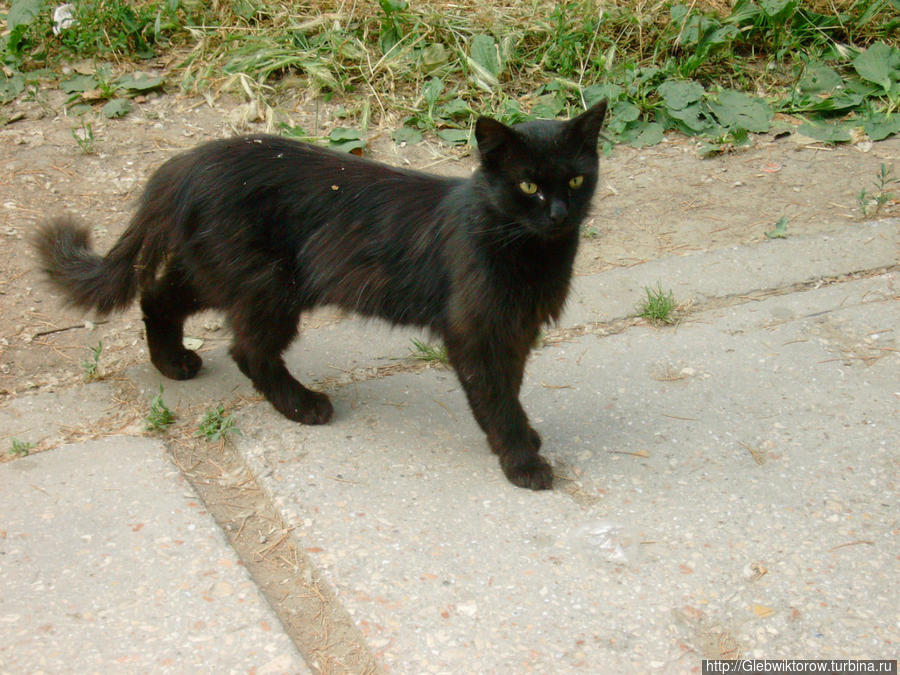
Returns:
(265, 228)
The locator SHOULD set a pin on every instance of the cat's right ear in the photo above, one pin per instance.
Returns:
(493, 139)
(585, 129)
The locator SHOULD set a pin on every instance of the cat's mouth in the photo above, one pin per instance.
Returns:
(551, 231)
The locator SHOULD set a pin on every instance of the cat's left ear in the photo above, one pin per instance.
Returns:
(585, 129)
(493, 138)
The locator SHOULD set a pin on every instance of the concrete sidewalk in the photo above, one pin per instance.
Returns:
(726, 487)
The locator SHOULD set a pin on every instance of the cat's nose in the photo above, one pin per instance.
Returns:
(558, 211)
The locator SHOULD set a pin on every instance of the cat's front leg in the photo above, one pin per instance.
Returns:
(490, 376)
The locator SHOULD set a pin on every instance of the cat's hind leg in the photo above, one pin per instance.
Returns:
(165, 304)
(260, 338)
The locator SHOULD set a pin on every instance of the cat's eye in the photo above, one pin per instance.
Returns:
(575, 182)
(528, 188)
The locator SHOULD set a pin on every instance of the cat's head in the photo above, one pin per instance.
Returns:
(540, 175)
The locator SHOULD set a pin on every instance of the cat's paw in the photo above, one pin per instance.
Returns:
(183, 366)
(535, 473)
(313, 408)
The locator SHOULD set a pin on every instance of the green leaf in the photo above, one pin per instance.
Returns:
(879, 64)
(707, 150)
(643, 134)
(406, 135)
(622, 114)
(453, 136)
(694, 117)
(828, 133)
(23, 12)
(678, 94)
(780, 230)
(485, 61)
(511, 112)
(818, 78)
(432, 91)
(597, 92)
(880, 126)
(293, 131)
(118, 107)
(80, 109)
(388, 39)
(547, 106)
(138, 83)
(391, 6)
(346, 140)
(485, 52)
(737, 110)
(434, 56)
(454, 108)
(10, 86)
(78, 83)
(774, 7)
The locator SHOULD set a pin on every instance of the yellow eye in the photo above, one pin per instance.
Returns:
(528, 188)
(575, 182)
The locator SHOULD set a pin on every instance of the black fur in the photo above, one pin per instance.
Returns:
(265, 228)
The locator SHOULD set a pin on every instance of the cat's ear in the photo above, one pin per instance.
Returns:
(584, 129)
(493, 138)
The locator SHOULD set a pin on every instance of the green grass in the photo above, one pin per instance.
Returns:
(658, 305)
(84, 137)
(216, 425)
(423, 351)
(160, 416)
(90, 366)
(20, 448)
(780, 229)
(870, 203)
(430, 67)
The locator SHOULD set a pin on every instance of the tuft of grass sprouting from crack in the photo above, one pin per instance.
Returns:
(20, 448)
(160, 416)
(658, 305)
(871, 203)
(216, 425)
(423, 351)
(90, 366)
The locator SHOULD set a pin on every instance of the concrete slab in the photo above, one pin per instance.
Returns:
(109, 563)
(727, 487)
(739, 270)
(35, 417)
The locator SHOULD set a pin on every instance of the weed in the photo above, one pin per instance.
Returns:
(780, 229)
(84, 137)
(589, 230)
(112, 28)
(160, 417)
(422, 351)
(216, 425)
(871, 204)
(20, 448)
(658, 306)
(90, 365)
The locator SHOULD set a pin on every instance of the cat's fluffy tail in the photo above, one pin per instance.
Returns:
(88, 280)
